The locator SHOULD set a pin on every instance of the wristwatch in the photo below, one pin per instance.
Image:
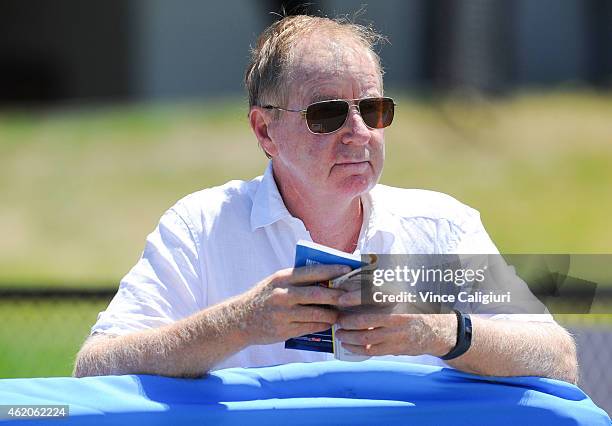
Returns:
(464, 336)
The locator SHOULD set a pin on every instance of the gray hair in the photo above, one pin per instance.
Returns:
(267, 75)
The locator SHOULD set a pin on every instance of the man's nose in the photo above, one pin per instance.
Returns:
(356, 131)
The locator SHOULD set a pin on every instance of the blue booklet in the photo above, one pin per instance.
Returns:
(309, 253)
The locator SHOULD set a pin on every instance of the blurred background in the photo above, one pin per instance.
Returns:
(111, 111)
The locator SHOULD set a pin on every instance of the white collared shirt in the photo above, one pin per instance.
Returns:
(219, 242)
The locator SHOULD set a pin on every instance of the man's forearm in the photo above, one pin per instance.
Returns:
(187, 348)
(278, 307)
(518, 348)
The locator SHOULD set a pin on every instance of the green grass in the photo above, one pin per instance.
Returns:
(41, 339)
(81, 189)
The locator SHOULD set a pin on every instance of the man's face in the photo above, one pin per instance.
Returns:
(349, 161)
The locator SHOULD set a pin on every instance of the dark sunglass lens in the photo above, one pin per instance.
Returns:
(377, 112)
(326, 117)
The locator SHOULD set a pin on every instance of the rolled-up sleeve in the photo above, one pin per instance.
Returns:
(164, 286)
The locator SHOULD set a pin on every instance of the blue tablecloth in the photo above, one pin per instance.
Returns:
(334, 392)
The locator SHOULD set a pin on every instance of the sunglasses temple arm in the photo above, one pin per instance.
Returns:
(303, 111)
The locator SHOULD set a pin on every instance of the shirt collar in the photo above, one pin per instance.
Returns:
(268, 205)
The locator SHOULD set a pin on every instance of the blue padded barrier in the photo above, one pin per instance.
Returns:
(332, 392)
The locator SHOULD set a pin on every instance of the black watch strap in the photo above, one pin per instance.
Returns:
(464, 336)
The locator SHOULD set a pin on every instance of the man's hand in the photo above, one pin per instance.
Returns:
(283, 305)
(397, 334)
(499, 347)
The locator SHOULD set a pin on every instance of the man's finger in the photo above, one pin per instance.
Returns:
(315, 273)
(313, 314)
(351, 298)
(363, 337)
(314, 294)
(370, 350)
(353, 321)
(353, 283)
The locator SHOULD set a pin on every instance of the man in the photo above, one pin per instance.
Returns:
(215, 288)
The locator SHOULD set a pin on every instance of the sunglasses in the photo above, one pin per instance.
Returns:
(328, 116)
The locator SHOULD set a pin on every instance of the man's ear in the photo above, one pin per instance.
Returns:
(260, 120)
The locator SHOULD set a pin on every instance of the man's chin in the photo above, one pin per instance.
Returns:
(355, 185)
